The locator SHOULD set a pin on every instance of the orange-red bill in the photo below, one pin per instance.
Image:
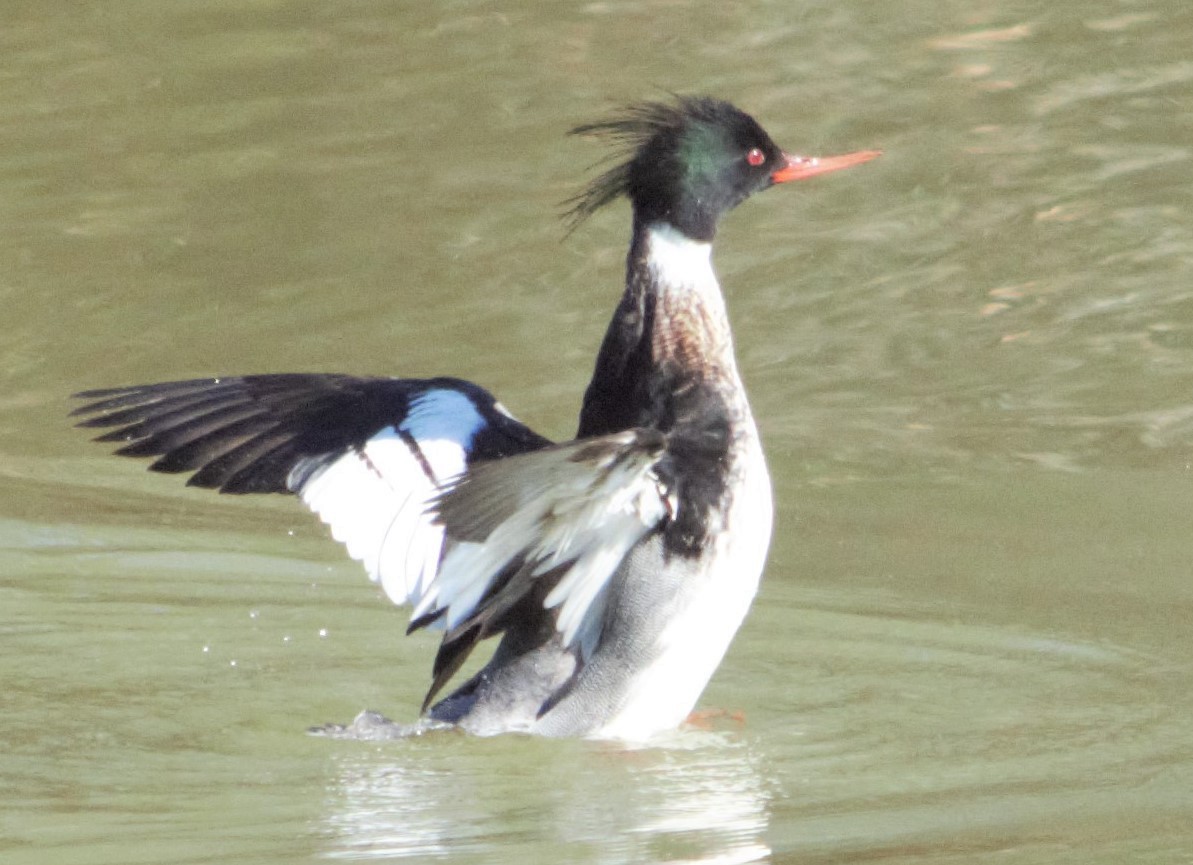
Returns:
(799, 167)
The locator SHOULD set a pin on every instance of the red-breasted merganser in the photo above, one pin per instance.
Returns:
(617, 566)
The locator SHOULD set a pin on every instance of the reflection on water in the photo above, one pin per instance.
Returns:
(697, 799)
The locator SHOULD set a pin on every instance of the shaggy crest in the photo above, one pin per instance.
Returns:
(642, 128)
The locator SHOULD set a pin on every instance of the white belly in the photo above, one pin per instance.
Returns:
(696, 637)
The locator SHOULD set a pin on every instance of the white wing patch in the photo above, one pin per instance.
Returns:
(375, 498)
(568, 510)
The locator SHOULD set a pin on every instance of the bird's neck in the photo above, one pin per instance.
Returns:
(669, 335)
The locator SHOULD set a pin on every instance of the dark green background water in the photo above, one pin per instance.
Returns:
(972, 362)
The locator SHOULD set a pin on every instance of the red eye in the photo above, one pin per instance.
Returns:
(755, 157)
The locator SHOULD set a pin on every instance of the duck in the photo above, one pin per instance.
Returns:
(613, 569)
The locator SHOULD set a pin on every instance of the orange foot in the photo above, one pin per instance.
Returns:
(704, 718)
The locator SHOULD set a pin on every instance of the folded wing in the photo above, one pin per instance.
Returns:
(556, 523)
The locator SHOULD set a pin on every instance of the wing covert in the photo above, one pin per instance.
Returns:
(560, 521)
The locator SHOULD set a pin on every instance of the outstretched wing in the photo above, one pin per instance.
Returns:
(368, 455)
(450, 503)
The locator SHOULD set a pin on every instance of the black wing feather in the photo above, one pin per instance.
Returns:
(248, 433)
